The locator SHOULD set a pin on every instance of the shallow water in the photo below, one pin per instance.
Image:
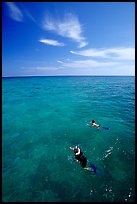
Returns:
(43, 116)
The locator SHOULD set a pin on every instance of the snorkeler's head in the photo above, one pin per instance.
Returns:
(76, 149)
(93, 121)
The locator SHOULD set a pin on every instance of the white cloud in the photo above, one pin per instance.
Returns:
(28, 14)
(68, 27)
(90, 53)
(113, 53)
(123, 53)
(45, 68)
(14, 12)
(87, 64)
(112, 61)
(28, 69)
(51, 42)
(60, 62)
(84, 67)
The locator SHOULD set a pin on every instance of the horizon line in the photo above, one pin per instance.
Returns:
(69, 75)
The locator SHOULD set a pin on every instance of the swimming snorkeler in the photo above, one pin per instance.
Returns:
(79, 157)
(93, 123)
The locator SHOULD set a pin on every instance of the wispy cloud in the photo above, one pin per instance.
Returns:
(14, 12)
(87, 64)
(99, 61)
(19, 14)
(113, 53)
(60, 62)
(47, 68)
(27, 13)
(51, 42)
(69, 27)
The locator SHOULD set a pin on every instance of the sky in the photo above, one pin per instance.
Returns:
(68, 38)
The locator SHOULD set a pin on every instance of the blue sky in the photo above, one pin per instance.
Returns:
(68, 38)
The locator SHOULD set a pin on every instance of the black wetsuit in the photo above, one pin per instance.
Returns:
(82, 159)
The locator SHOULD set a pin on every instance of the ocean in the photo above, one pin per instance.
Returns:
(43, 116)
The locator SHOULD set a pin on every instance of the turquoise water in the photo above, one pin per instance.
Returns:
(43, 116)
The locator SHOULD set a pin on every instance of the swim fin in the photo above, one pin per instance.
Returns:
(92, 166)
(105, 128)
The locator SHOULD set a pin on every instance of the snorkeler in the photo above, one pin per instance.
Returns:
(93, 123)
(79, 157)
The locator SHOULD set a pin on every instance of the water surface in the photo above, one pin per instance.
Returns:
(43, 116)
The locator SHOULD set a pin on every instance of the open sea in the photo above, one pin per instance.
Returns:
(43, 116)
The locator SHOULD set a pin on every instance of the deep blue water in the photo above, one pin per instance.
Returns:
(43, 116)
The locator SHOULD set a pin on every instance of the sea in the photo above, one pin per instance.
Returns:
(43, 116)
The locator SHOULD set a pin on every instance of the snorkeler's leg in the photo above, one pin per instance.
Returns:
(88, 169)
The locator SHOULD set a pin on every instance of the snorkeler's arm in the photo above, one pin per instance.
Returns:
(71, 148)
(78, 152)
(95, 124)
(89, 124)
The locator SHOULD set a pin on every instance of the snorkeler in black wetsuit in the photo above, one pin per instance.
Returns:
(79, 156)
